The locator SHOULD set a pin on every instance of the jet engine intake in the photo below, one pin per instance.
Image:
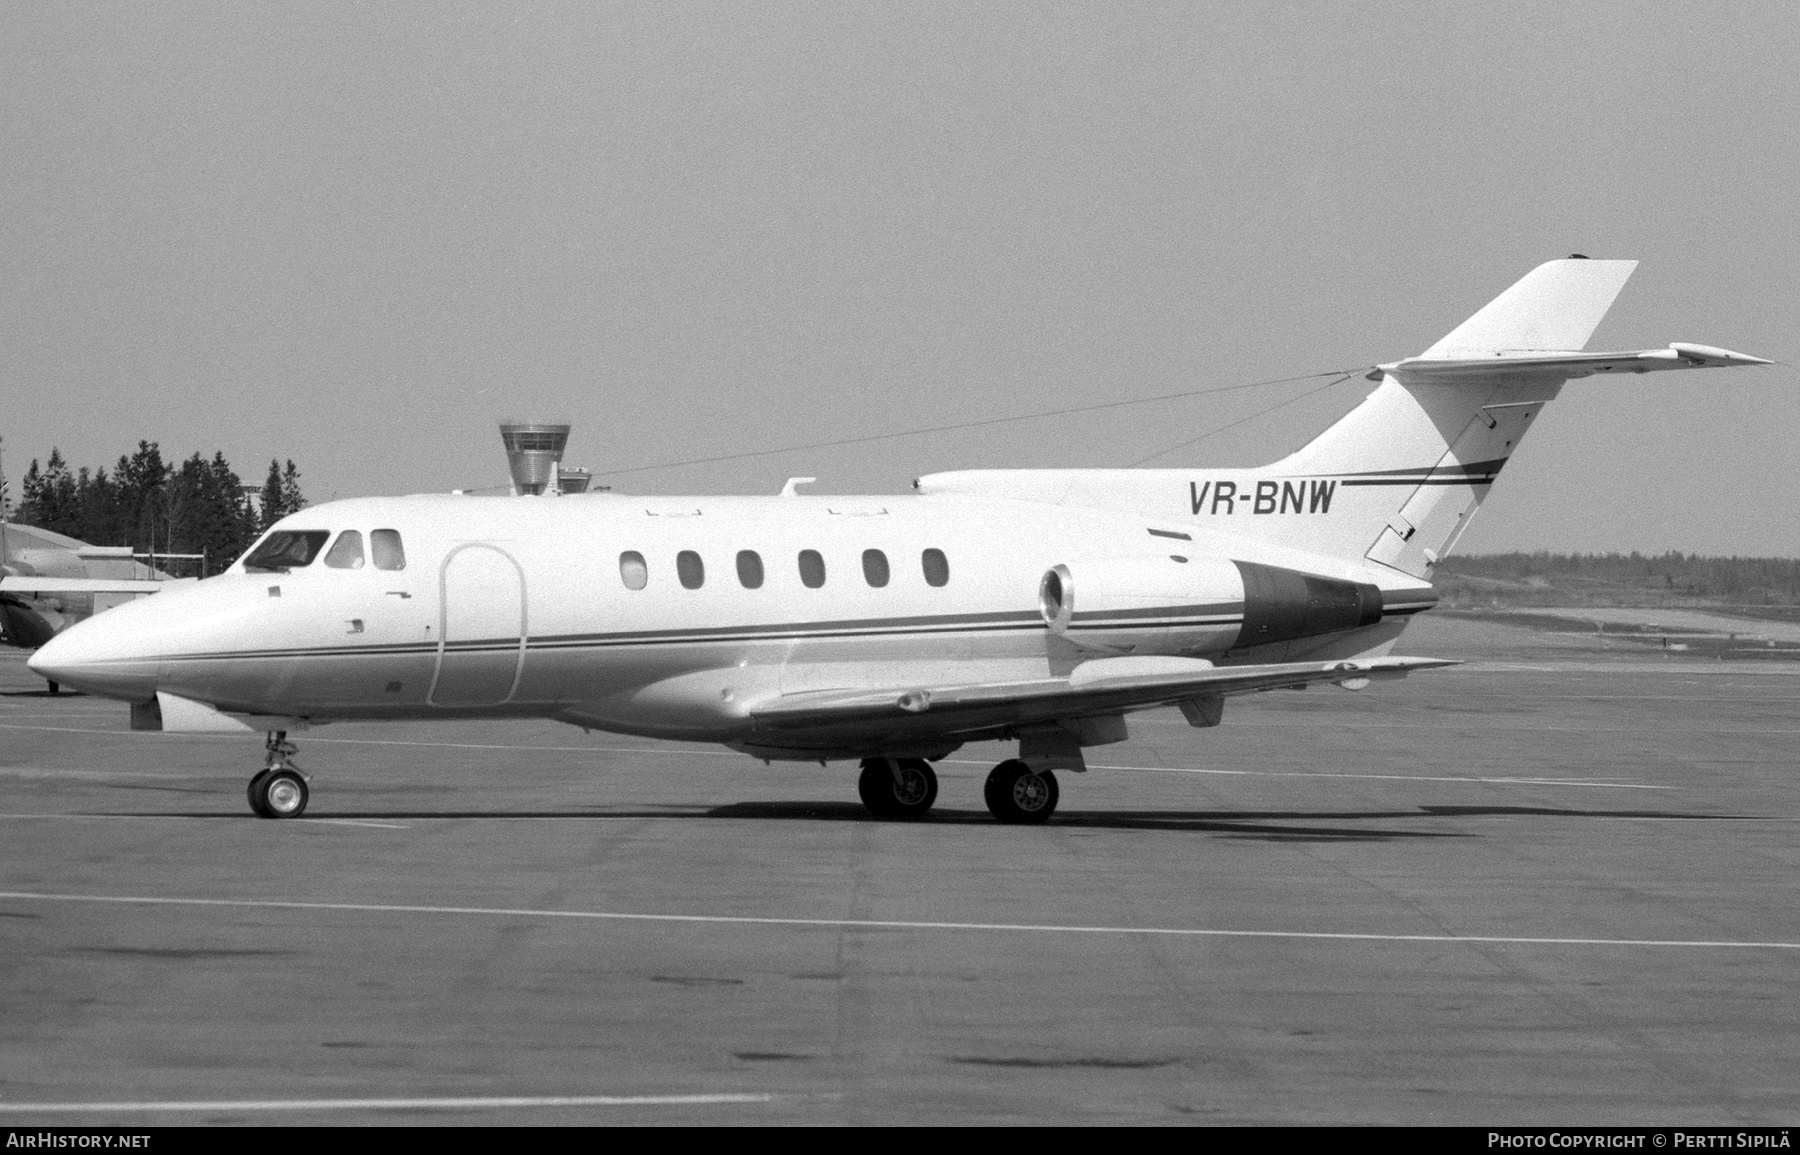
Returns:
(1165, 604)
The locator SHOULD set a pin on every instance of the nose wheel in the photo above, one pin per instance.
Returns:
(279, 790)
(897, 787)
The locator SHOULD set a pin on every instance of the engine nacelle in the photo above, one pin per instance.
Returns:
(1172, 605)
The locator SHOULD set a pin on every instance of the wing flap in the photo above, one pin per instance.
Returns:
(1104, 685)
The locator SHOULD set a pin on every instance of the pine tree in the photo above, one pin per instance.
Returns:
(141, 479)
(101, 521)
(236, 526)
(55, 499)
(271, 497)
(292, 500)
(31, 495)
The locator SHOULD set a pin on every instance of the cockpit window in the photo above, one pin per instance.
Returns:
(287, 549)
(346, 552)
(385, 547)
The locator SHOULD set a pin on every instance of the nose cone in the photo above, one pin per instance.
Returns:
(102, 655)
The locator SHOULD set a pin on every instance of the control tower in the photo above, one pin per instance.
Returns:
(534, 452)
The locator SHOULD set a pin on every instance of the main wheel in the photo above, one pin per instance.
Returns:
(278, 794)
(905, 789)
(1017, 793)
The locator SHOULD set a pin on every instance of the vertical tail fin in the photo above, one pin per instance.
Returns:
(1414, 461)
(1554, 307)
(1397, 480)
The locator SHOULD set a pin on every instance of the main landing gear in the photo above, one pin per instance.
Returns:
(1018, 794)
(897, 787)
(906, 788)
(279, 791)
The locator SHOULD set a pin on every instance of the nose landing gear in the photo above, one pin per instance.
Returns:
(279, 790)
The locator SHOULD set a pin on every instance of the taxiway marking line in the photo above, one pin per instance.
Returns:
(879, 923)
(58, 713)
(361, 822)
(504, 746)
(427, 1104)
(397, 742)
(301, 822)
(1384, 777)
(1396, 777)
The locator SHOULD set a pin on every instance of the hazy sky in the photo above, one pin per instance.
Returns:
(358, 235)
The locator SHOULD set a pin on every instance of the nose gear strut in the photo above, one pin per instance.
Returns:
(279, 789)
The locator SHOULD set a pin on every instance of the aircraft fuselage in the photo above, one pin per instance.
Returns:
(524, 607)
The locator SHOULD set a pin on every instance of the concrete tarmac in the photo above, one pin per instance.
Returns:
(1551, 887)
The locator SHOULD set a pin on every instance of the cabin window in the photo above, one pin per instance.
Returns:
(936, 566)
(632, 570)
(690, 569)
(875, 567)
(812, 569)
(385, 549)
(286, 549)
(750, 569)
(346, 552)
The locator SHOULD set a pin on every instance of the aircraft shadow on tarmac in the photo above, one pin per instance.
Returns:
(1264, 825)
(41, 694)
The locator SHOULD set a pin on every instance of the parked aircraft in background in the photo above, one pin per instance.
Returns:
(48, 582)
(1037, 606)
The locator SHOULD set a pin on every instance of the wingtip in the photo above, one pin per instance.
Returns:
(1712, 355)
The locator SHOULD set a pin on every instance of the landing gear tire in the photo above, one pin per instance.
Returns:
(55, 687)
(903, 788)
(279, 791)
(278, 794)
(1019, 795)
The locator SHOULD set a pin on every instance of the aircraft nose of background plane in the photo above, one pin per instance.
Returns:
(99, 656)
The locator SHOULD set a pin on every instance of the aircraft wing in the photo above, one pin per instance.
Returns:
(53, 585)
(1677, 356)
(1100, 686)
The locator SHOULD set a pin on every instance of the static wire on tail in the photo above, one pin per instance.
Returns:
(1339, 376)
(1338, 380)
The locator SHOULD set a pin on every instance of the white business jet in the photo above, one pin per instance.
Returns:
(1037, 606)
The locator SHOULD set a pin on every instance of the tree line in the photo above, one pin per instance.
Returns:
(198, 507)
(1536, 577)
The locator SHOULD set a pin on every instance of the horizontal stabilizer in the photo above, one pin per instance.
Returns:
(1103, 685)
(1569, 364)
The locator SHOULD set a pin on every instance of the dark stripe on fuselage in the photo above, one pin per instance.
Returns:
(786, 631)
(1475, 473)
(1486, 467)
(1221, 609)
(1348, 482)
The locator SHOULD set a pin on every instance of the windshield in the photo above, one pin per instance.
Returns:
(286, 549)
